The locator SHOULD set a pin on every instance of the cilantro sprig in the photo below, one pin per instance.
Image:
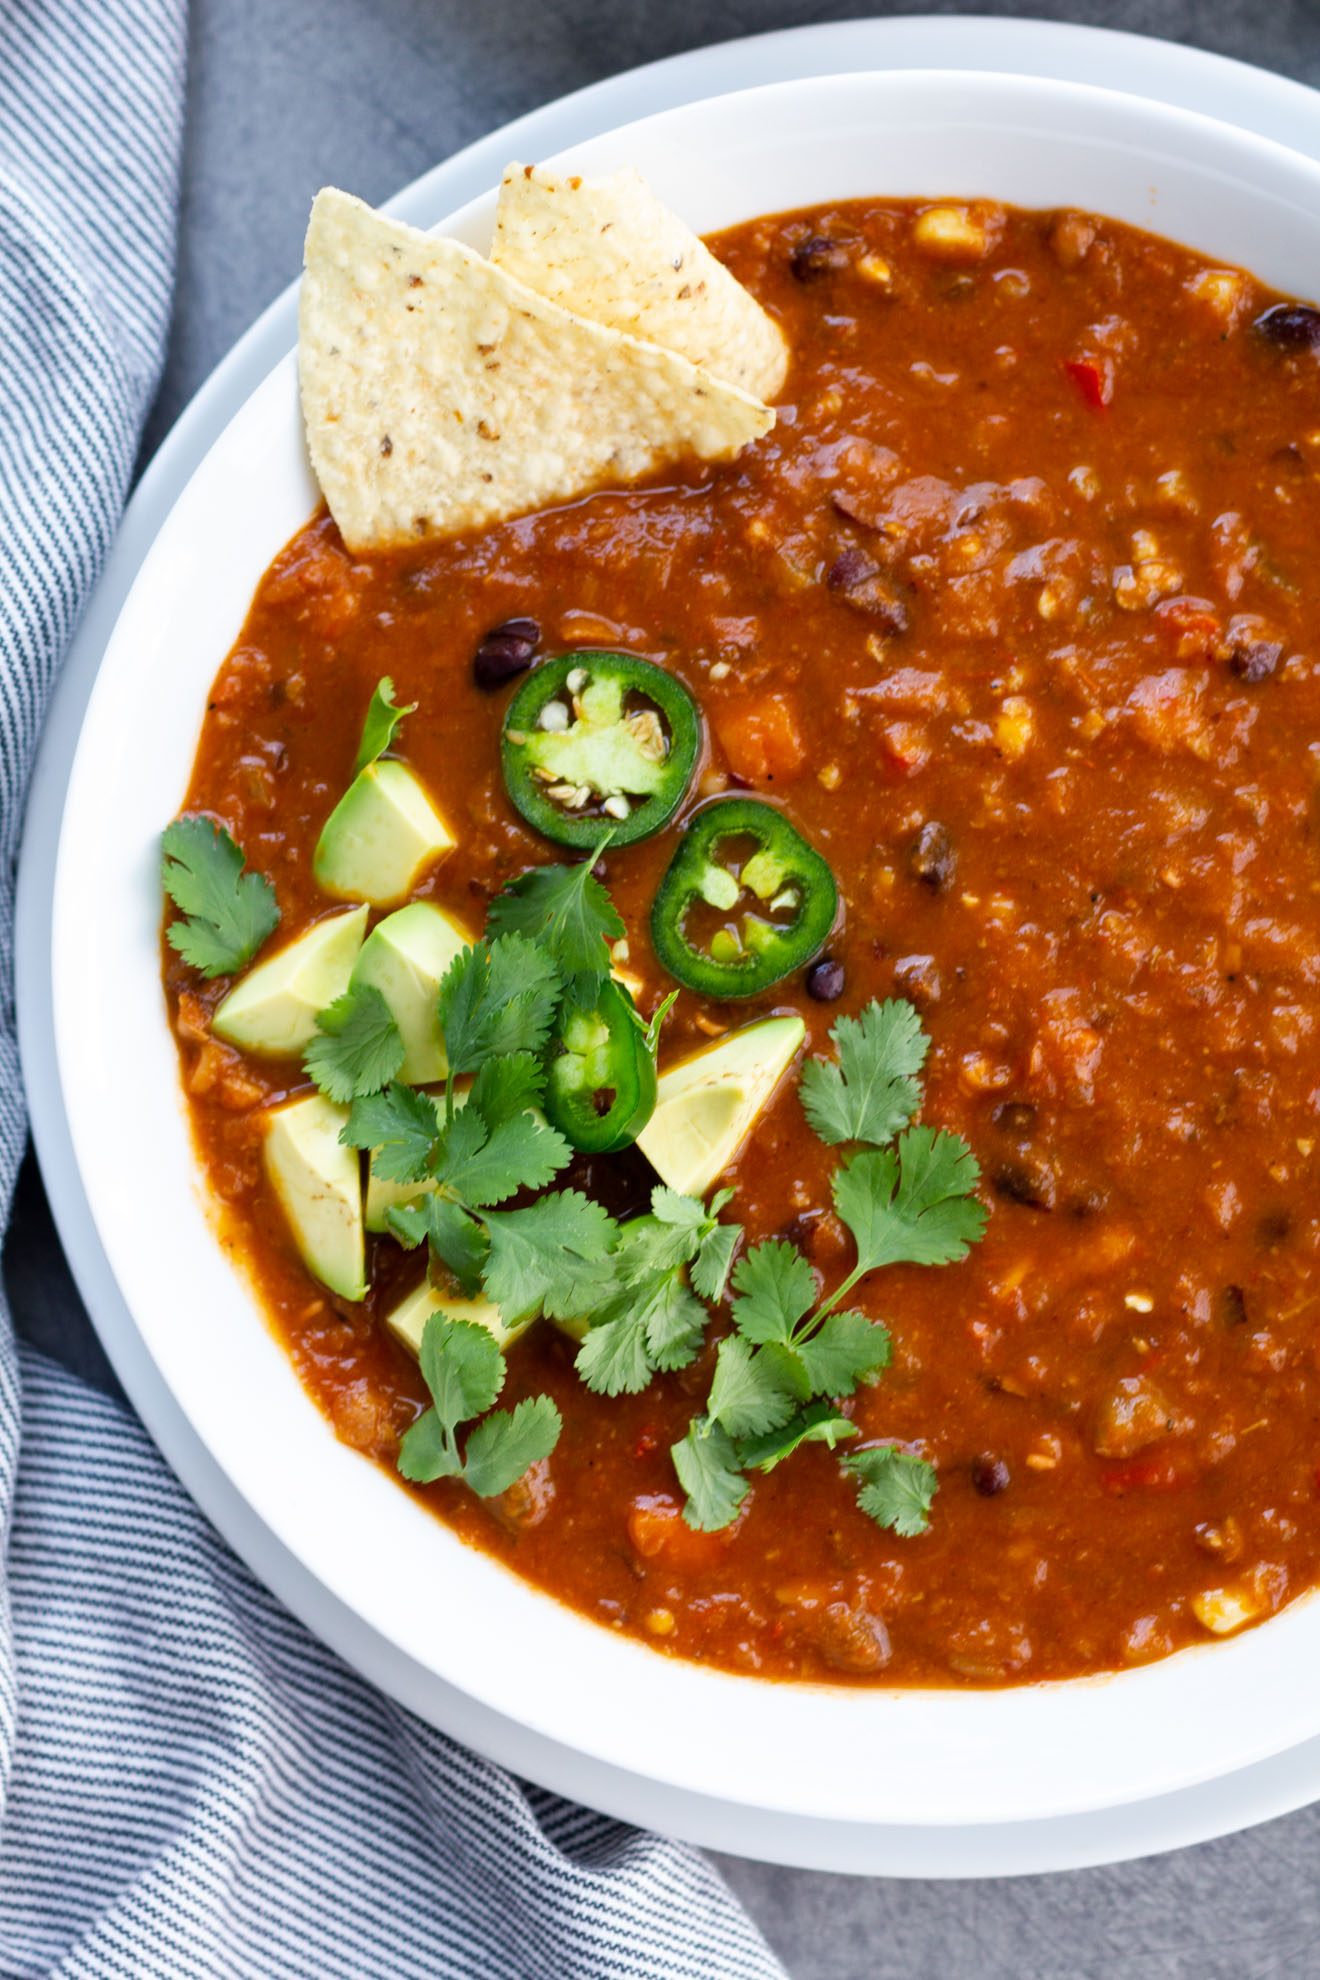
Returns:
(645, 1312)
(874, 1090)
(227, 912)
(464, 1370)
(792, 1357)
(359, 1048)
(897, 1487)
(382, 724)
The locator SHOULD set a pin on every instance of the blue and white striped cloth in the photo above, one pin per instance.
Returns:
(192, 1786)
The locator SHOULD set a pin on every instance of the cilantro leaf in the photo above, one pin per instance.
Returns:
(427, 1451)
(381, 725)
(707, 1467)
(708, 1246)
(910, 1204)
(564, 911)
(897, 1487)
(359, 1049)
(751, 1392)
(464, 1370)
(508, 1086)
(508, 1443)
(652, 1323)
(714, 1259)
(400, 1126)
(484, 1166)
(496, 998)
(462, 1367)
(455, 1238)
(544, 1254)
(873, 1091)
(651, 1032)
(773, 1288)
(685, 1213)
(819, 1423)
(846, 1349)
(227, 913)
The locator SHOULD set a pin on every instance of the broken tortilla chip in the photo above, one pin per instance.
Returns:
(440, 394)
(610, 250)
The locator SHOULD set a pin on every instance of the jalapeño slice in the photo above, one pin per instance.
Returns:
(745, 901)
(600, 1076)
(599, 742)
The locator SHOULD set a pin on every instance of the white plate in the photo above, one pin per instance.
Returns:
(1016, 1757)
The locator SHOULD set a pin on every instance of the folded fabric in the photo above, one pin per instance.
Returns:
(192, 1785)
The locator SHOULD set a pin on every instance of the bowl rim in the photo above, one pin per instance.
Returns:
(106, 1199)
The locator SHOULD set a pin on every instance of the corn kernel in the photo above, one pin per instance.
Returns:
(949, 231)
(1222, 1610)
(1015, 726)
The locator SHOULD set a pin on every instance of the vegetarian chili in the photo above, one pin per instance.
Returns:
(1012, 618)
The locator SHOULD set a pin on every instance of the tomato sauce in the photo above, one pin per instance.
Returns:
(1014, 613)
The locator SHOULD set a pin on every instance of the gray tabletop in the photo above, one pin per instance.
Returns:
(367, 94)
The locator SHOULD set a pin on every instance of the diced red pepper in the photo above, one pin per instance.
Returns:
(1094, 379)
(762, 739)
(1156, 1471)
(659, 1532)
(1193, 627)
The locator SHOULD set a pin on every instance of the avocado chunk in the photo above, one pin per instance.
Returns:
(408, 1319)
(379, 836)
(319, 1184)
(707, 1105)
(404, 958)
(273, 1009)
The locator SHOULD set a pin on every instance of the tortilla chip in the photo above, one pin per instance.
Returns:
(608, 249)
(440, 394)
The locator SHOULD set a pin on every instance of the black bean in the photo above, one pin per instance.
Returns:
(1232, 1306)
(989, 1475)
(862, 584)
(1273, 1226)
(1016, 1117)
(818, 256)
(918, 979)
(825, 980)
(505, 651)
(1028, 1182)
(1291, 326)
(931, 857)
(1253, 652)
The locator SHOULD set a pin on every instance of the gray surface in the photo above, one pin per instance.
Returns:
(366, 93)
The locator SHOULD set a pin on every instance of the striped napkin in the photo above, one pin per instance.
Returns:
(190, 1784)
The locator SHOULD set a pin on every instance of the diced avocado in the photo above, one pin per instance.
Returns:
(404, 958)
(273, 1010)
(379, 836)
(707, 1105)
(319, 1184)
(407, 1320)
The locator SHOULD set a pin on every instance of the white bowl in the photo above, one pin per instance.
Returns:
(848, 1756)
